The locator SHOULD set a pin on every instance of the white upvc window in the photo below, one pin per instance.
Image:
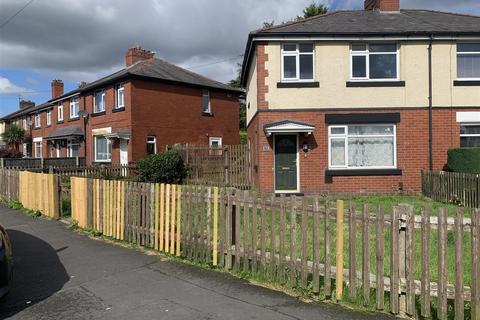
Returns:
(371, 146)
(151, 145)
(37, 120)
(99, 101)
(60, 112)
(74, 107)
(119, 96)
(73, 149)
(206, 103)
(376, 62)
(25, 150)
(470, 135)
(37, 149)
(298, 62)
(25, 127)
(49, 117)
(468, 61)
(215, 143)
(103, 149)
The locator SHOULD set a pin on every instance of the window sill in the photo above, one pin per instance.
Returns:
(60, 122)
(375, 84)
(48, 126)
(207, 114)
(73, 119)
(118, 109)
(466, 83)
(298, 84)
(101, 113)
(363, 172)
(102, 162)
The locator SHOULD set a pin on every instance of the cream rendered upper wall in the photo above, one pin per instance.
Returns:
(332, 70)
(252, 90)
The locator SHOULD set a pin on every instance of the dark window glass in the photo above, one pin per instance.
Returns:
(359, 47)
(290, 47)
(359, 66)
(383, 66)
(470, 142)
(306, 66)
(306, 47)
(383, 48)
(289, 67)
(470, 129)
(468, 47)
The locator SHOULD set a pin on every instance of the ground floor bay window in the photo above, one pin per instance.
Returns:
(102, 149)
(362, 146)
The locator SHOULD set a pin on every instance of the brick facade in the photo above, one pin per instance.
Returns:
(412, 150)
(262, 74)
(382, 5)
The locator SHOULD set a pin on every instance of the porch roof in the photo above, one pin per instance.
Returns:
(120, 134)
(288, 126)
(65, 132)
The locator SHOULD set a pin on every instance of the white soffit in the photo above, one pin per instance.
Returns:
(288, 127)
(468, 117)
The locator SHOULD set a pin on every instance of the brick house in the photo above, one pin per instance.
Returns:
(131, 113)
(362, 100)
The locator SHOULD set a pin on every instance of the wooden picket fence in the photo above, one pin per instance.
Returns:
(9, 185)
(389, 259)
(229, 165)
(452, 187)
(39, 191)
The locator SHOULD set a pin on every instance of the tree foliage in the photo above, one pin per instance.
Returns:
(13, 136)
(312, 10)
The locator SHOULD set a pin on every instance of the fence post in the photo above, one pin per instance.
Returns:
(234, 214)
(339, 278)
(77, 162)
(42, 163)
(402, 265)
(2, 163)
(225, 156)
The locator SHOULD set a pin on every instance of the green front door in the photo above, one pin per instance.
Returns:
(286, 162)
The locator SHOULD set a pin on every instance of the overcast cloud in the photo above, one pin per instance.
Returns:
(81, 40)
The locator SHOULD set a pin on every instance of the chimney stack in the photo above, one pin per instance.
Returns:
(383, 5)
(57, 88)
(136, 54)
(25, 104)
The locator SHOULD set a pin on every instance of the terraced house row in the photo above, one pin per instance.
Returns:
(361, 100)
(136, 111)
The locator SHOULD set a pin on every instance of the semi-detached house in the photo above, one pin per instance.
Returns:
(129, 114)
(361, 100)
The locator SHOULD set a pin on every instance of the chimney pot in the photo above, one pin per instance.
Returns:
(26, 103)
(57, 88)
(382, 5)
(136, 54)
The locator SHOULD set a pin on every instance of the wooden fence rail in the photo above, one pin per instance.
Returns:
(41, 163)
(229, 165)
(452, 187)
(300, 242)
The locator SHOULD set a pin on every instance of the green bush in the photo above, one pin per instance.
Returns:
(167, 167)
(464, 160)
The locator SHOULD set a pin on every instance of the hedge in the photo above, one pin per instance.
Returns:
(464, 160)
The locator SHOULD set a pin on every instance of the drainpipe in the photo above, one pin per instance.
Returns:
(430, 105)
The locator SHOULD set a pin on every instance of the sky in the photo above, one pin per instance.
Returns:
(83, 40)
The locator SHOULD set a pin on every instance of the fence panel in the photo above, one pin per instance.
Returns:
(9, 185)
(38, 191)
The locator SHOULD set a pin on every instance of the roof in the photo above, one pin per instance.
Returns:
(364, 23)
(64, 132)
(157, 69)
(24, 111)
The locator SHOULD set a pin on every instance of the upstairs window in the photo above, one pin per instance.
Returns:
(206, 104)
(374, 62)
(60, 112)
(470, 135)
(151, 145)
(120, 97)
(49, 117)
(362, 147)
(297, 62)
(468, 61)
(74, 107)
(25, 127)
(99, 101)
(37, 120)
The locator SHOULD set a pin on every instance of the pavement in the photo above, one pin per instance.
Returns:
(61, 274)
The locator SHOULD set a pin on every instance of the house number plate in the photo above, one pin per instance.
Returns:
(266, 148)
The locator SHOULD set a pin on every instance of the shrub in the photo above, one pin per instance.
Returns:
(10, 153)
(464, 160)
(167, 167)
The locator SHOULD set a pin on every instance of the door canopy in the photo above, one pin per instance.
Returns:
(288, 126)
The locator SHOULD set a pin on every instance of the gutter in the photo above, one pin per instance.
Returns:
(430, 105)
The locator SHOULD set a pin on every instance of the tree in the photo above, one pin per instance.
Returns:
(312, 10)
(13, 135)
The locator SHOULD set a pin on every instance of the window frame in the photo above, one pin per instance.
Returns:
(467, 135)
(215, 139)
(466, 53)
(35, 155)
(24, 123)
(367, 54)
(346, 136)
(71, 143)
(206, 92)
(154, 144)
(74, 104)
(60, 112)
(119, 87)
(95, 110)
(296, 54)
(109, 148)
(38, 120)
(49, 117)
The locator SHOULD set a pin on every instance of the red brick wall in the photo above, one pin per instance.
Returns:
(262, 74)
(173, 114)
(382, 5)
(412, 151)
